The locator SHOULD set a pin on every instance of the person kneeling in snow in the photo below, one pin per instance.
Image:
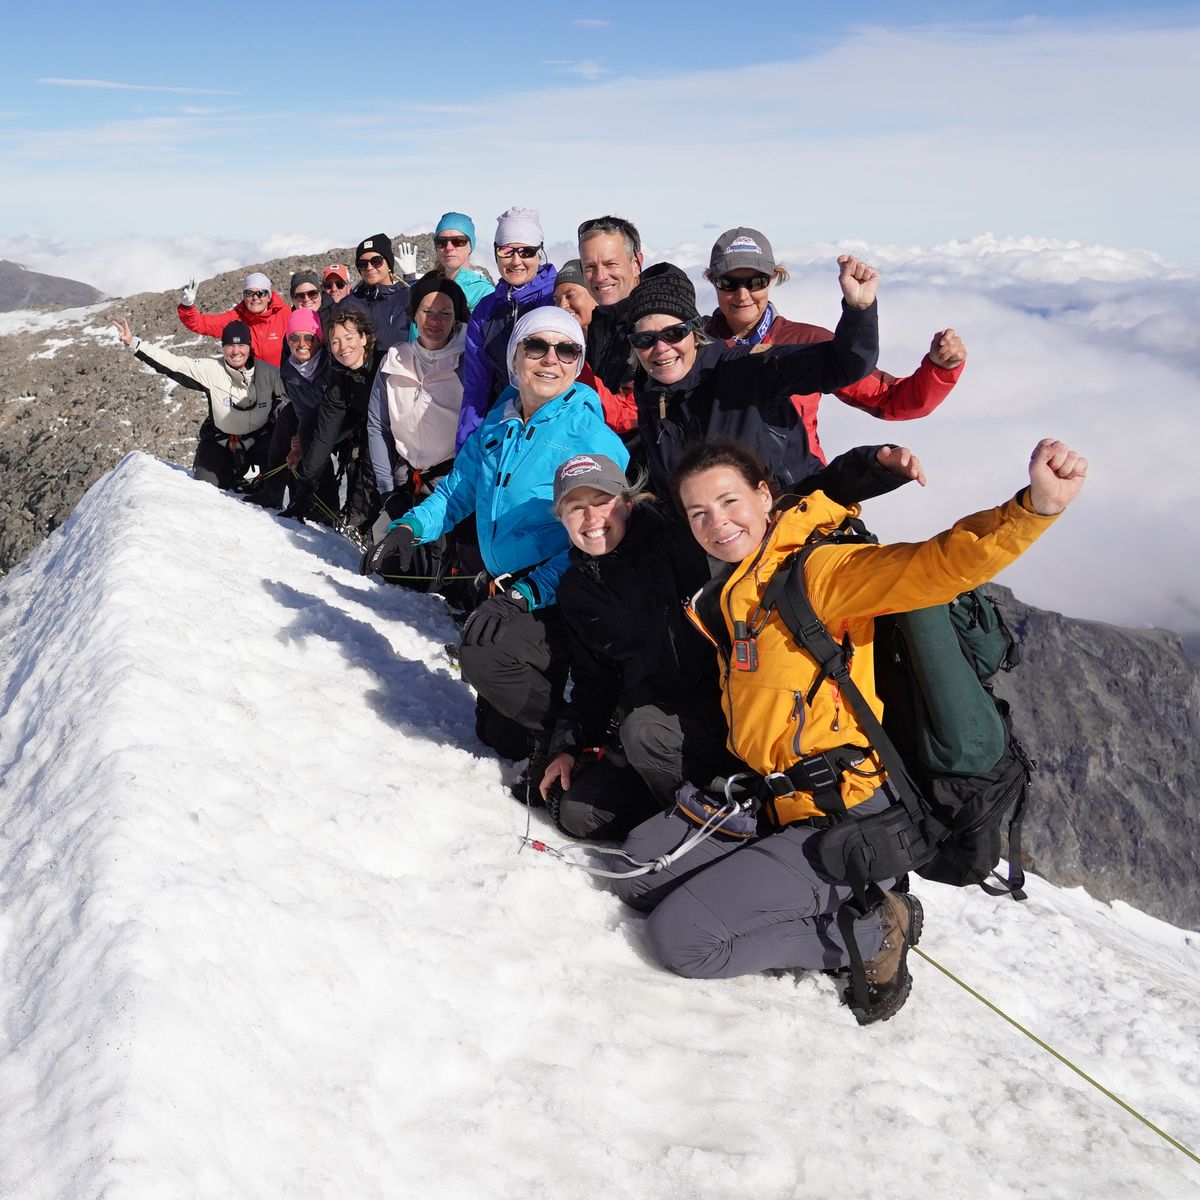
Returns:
(513, 650)
(243, 396)
(732, 906)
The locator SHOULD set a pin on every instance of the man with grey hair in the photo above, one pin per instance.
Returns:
(610, 252)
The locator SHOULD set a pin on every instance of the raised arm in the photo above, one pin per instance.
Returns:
(853, 582)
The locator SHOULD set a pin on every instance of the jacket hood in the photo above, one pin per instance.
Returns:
(541, 284)
(277, 305)
(406, 358)
(794, 519)
(505, 408)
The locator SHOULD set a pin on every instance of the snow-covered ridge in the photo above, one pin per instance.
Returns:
(264, 932)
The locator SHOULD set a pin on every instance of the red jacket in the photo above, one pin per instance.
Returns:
(888, 397)
(266, 329)
(620, 408)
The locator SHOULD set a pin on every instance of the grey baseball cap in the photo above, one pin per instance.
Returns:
(588, 470)
(740, 249)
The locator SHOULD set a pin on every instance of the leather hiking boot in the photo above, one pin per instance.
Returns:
(888, 980)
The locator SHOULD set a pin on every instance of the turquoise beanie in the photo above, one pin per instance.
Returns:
(459, 221)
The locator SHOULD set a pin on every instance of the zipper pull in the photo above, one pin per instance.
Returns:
(837, 708)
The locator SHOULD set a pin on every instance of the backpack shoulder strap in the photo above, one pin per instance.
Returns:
(787, 593)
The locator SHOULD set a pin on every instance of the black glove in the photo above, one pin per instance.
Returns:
(302, 496)
(485, 625)
(399, 543)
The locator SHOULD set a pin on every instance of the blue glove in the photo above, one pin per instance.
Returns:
(399, 543)
(487, 623)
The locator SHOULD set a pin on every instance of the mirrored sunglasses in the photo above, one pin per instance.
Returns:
(520, 251)
(255, 294)
(672, 335)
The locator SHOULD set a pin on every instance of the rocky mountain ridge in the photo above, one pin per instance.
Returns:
(1112, 715)
(23, 288)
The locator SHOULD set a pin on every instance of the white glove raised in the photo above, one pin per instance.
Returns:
(406, 258)
(187, 294)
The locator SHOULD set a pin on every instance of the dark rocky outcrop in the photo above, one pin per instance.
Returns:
(22, 288)
(1112, 717)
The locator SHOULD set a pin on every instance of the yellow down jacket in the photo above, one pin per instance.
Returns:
(770, 725)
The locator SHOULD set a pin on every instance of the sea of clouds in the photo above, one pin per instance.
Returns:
(1092, 344)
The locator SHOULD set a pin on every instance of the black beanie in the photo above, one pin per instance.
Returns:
(236, 333)
(664, 288)
(377, 243)
(435, 281)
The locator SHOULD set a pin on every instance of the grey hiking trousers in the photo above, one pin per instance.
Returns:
(732, 908)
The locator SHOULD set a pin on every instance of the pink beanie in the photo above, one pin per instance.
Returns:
(304, 320)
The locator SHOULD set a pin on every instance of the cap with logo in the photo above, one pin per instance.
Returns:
(742, 249)
(588, 470)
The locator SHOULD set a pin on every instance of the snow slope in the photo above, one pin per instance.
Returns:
(264, 932)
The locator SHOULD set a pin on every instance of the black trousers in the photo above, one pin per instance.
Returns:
(217, 464)
(520, 677)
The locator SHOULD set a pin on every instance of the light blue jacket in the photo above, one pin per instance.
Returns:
(505, 475)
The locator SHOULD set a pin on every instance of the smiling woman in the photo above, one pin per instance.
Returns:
(742, 269)
(526, 282)
(511, 650)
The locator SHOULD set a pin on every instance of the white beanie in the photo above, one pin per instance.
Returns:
(520, 227)
(547, 319)
(256, 281)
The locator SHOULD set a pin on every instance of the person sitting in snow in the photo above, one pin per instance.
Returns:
(760, 900)
(243, 396)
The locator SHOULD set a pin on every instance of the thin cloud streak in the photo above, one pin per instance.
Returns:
(133, 87)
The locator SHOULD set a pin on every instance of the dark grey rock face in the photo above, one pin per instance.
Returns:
(21, 288)
(1112, 717)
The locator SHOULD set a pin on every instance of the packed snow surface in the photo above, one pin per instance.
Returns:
(265, 932)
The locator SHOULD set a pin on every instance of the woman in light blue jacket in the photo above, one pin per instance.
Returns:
(512, 649)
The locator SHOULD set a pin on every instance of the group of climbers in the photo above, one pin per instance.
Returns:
(500, 437)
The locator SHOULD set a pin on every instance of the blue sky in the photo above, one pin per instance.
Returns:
(909, 124)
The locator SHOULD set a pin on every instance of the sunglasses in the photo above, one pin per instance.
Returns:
(376, 261)
(457, 242)
(301, 339)
(672, 335)
(313, 295)
(334, 284)
(518, 251)
(536, 347)
(611, 225)
(752, 283)
(256, 294)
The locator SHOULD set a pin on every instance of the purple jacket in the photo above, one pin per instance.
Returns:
(485, 365)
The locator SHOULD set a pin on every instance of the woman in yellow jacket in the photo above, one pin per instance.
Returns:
(732, 907)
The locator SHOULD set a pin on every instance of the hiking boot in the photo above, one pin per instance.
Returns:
(888, 980)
